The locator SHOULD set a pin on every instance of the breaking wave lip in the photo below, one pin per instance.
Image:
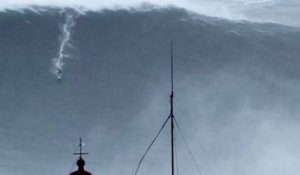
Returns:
(38, 9)
(234, 10)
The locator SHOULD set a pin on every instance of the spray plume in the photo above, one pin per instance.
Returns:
(65, 39)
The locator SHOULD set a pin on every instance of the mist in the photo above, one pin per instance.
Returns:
(274, 11)
(236, 93)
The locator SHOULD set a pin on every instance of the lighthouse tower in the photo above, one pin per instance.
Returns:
(80, 162)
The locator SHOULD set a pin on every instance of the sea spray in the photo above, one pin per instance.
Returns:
(64, 42)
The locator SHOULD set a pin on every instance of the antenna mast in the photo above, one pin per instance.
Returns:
(171, 116)
(171, 111)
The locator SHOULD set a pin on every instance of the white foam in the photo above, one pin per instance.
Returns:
(58, 62)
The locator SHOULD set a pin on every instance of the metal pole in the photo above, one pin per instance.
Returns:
(171, 112)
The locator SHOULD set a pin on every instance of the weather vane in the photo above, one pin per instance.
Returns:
(81, 144)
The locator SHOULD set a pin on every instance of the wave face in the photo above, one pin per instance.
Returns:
(237, 92)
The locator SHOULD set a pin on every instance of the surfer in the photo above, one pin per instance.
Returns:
(59, 75)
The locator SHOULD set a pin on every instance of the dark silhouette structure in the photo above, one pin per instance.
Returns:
(80, 162)
(80, 171)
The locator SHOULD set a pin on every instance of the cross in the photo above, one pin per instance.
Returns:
(80, 149)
